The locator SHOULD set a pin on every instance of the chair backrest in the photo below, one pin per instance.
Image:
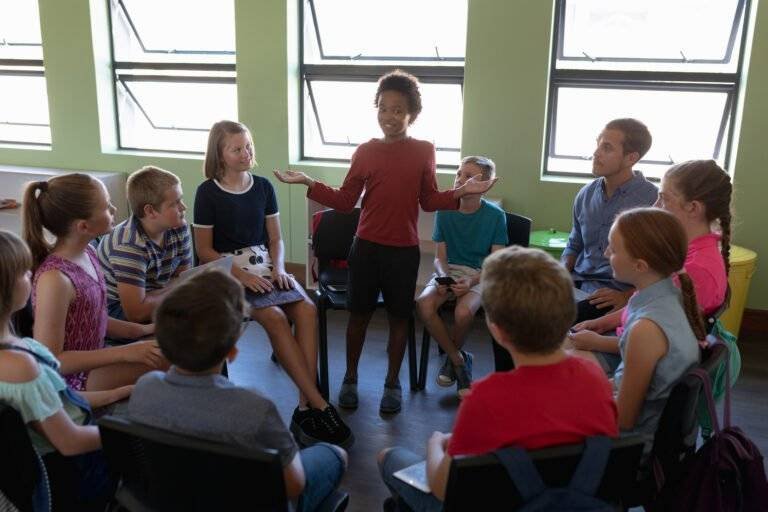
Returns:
(169, 471)
(332, 238)
(482, 483)
(19, 468)
(518, 229)
(332, 235)
(678, 427)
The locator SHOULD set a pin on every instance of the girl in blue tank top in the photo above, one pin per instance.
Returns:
(647, 247)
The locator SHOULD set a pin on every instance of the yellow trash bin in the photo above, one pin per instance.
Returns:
(743, 262)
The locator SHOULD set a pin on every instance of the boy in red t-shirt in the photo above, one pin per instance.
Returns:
(549, 398)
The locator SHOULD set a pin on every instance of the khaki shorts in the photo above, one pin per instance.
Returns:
(459, 271)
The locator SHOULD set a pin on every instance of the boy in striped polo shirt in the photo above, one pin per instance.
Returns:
(146, 251)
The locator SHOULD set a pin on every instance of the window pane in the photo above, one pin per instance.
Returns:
(20, 30)
(365, 29)
(202, 30)
(24, 109)
(157, 114)
(348, 117)
(657, 30)
(684, 125)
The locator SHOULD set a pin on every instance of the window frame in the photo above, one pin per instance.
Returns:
(335, 71)
(26, 67)
(643, 80)
(124, 72)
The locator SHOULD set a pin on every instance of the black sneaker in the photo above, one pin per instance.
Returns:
(305, 427)
(335, 431)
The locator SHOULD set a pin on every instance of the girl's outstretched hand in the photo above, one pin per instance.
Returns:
(293, 177)
(474, 186)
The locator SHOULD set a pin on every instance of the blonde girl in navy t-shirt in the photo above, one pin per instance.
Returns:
(236, 213)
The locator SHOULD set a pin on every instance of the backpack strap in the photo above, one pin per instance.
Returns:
(521, 471)
(707, 387)
(589, 473)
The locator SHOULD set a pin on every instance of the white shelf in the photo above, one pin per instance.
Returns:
(13, 180)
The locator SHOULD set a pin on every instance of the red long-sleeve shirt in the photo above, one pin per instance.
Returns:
(397, 178)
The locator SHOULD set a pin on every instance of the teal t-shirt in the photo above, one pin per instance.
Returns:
(469, 236)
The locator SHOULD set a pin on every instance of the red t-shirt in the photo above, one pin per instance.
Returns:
(397, 177)
(535, 407)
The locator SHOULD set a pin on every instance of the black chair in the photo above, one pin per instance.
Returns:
(331, 241)
(482, 482)
(164, 471)
(518, 233)
(19, 473)
(677, 431)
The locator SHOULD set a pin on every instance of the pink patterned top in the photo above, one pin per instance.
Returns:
(86, 323)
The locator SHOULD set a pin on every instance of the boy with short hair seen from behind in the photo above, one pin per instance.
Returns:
(144, 252)
(198, 324)
(549, 399)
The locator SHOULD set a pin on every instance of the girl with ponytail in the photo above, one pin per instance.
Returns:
(69, 293)
(647, 248)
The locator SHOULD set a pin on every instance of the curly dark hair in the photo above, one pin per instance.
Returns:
(404, 83)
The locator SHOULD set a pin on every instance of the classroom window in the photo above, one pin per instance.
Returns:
(673, 65)
(174, 71)
(347, 46)
(24, 99)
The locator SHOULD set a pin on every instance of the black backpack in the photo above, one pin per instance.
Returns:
(578, 496)
(726, 473)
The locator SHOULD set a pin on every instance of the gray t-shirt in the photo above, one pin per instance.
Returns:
(210, 407)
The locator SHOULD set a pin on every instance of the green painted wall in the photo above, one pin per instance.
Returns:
(508, 48)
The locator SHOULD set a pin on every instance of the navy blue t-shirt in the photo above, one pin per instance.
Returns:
(238, 219)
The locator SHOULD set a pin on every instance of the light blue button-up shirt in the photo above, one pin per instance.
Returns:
(593, 215)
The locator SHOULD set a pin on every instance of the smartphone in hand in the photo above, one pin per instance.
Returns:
(445, 280)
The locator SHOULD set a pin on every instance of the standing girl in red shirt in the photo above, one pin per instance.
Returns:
(398, 174)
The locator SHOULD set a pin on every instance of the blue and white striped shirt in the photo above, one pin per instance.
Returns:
(127, 255)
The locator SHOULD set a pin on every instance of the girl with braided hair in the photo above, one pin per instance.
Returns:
(647, 248)
(698, 193)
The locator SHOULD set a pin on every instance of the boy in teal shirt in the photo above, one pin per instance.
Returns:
(463, 238)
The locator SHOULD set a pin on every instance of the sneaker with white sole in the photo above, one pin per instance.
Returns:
(446, 376)
(464, 375)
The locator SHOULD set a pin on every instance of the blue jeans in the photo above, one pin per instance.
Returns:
(413, 499)
(323, 469)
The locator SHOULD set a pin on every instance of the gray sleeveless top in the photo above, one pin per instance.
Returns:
(662, 304)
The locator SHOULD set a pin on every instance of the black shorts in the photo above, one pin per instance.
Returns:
(375, 268)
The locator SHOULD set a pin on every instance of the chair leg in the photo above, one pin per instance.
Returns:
(424, 359)
(322, 321)
(412, 354)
